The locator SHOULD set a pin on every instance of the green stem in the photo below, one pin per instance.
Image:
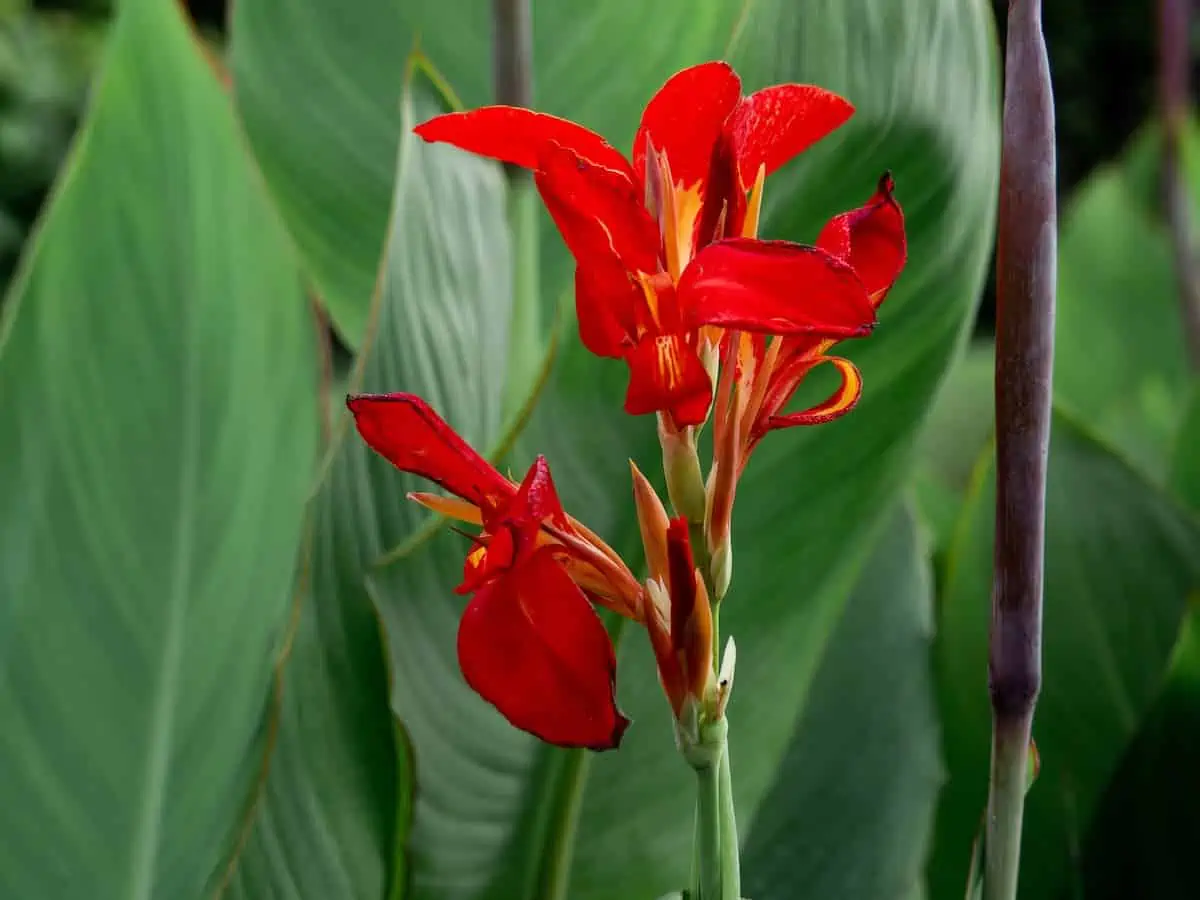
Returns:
(708, 882)
(716, 872)
(1006, 806)
(731, 864)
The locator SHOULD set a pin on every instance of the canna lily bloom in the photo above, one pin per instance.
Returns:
(663, 245)
(759, 378)
(529, 641)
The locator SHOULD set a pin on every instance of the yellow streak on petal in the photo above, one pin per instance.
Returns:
(669, 365)
(449, 506)
(754, 206)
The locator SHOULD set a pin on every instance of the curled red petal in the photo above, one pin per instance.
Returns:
(597, 210)
(685, 117)
(775, 124)
(871, 239)
(530, 644)
(837, 404)
(682, 578)
(519, 136)
(666, 374)
(406, 431)
(774, 287)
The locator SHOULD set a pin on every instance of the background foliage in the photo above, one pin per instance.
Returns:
(227, 642)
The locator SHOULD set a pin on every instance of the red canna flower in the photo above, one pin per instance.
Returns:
(759, 378)
(529, 641)
(663, 249)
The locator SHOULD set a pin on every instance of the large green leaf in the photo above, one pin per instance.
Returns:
(1120, 561)
(331, 819)
(158, 430)
(497, 815)
(320, 104)
(851, 809)
(1144, 837)
(1185, 464)
(1120, 362)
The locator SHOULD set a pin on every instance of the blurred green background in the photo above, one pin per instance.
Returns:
(226, 641)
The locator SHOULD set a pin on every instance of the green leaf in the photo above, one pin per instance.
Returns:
(497, 815)
(334, 813)
(321, 111)
(1185, 467)
(1143, 840)
(1118, 302)
(959, 428)
(1120, 561)
(158, 429)
(850, 812)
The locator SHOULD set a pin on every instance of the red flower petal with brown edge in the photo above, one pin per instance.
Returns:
(774, 287)
(595, 209)
(871, 239)
(777, 123)
(837, 404)
(666, 374)
(411, 436)
(531, 645)
(605, 298)
(684, 118)
(518, 136)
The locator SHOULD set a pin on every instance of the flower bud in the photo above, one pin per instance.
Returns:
(681, 465)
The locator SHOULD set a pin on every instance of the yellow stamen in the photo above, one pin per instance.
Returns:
(449, 506)
(754, 206)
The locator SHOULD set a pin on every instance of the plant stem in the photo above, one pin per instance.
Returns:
(716, 873)
(1025, 286)
(512, 59)
(731, 864)
(1173, 83)
(708, 876)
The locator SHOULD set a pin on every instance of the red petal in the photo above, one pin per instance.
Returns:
(685, 117)
(772, 125)
(532, 646)
(682, 578)
(518, 136)
(723, 207)
(871, 239)
(666, 374)
(408, 433)
(604, 305)
(537, 499)
(774, 287)
(837, 404)
(597, 210)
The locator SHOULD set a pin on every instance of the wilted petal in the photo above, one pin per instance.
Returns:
(519, 136)
(685, 117)
(871, 239)
(774, 287)
(775, 124)
(666, 374)
(531, 645)
(408, 433)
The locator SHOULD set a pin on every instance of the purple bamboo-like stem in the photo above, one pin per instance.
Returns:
(1173, 74)
(1025, 288)
(512, 56)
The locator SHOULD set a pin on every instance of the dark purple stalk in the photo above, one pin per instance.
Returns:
(512, 56)
(1173, 74)
(1025, 286)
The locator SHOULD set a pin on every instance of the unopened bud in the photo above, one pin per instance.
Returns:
(681, 465)
(721, 568)
(652, 522)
